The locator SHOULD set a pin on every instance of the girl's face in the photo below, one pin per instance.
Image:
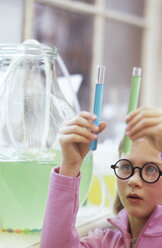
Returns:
(138, 197)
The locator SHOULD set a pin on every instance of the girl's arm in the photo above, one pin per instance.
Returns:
(60, 215)
(63, 199)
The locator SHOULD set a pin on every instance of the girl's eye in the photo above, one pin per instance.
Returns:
(125, 167)
(151, 169)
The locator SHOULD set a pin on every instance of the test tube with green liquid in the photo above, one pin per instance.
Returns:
(133, 102)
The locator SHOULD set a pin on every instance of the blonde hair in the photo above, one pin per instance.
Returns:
(117, 205)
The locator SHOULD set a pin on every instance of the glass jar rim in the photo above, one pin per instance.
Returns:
(23, 49)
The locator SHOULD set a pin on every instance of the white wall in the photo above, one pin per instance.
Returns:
(11, 21)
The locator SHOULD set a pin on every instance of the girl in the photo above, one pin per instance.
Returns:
(139, 183)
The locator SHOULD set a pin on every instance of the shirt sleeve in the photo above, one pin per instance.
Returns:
(59, 229)
(60, 215)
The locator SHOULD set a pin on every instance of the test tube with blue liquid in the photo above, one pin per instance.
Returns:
(98, 99)
(133, 102)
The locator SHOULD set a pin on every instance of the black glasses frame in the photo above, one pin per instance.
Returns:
(136, 167)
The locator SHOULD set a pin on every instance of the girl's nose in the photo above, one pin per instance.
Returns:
(135, 180)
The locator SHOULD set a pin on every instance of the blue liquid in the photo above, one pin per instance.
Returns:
(97, 110)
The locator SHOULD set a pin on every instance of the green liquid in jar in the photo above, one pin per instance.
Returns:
(24, 190)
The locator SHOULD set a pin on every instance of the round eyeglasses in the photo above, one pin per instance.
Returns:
(149, 172)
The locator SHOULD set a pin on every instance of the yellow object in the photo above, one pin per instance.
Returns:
(95, 194)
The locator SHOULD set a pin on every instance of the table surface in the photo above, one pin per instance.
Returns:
(13, 240)
(88, 218)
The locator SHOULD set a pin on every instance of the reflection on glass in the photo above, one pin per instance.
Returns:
(72, 34)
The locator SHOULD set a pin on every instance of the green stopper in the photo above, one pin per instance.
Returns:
(133, 102)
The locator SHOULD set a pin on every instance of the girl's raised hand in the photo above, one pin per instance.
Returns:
(75, 137)
(146, 122)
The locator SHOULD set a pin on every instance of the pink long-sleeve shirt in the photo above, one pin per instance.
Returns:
(59, 222)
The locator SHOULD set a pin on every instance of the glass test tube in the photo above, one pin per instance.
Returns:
(98, 99)
(133, 102)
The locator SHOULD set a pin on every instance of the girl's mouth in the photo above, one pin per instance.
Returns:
(134, 198)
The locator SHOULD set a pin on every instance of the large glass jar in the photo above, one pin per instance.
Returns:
(32, 109)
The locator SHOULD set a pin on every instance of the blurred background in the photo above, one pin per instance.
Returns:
(118, 34)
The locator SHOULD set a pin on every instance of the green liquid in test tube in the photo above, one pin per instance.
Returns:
(133, 102)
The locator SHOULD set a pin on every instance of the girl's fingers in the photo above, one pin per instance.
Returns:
(88, 115)
(143, 133)
(81, 128)
(143, 112)
(73, 138)
(144, 117)
(142, 124)
(154, 131)
(85, 122)
(79, 131)
(131, 115)
(103, 125)
(79, 134)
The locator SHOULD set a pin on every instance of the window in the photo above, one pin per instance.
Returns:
(118, 34)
